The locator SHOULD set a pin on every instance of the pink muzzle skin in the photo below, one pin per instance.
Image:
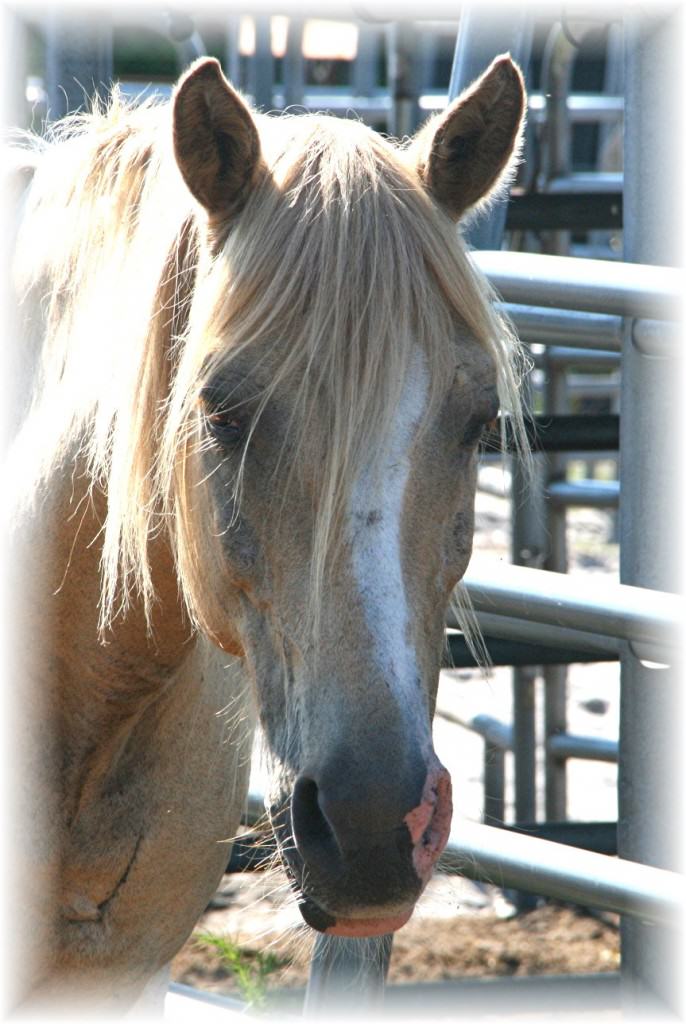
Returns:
(429, 828)
(429, 824)
(368, 927)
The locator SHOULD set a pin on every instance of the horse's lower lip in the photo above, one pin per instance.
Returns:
(330, 923)
(367, 927)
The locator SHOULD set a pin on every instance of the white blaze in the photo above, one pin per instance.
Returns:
(376, 510)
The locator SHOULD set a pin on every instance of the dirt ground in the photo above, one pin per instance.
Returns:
(482, 936)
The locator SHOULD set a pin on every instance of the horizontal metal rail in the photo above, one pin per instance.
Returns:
(589, 493)
(594, 286)
(565, 356)
(512, 628)
(644, 617)
(565, 745)
(186, 1003)
(582, 108)
(537, 325)
(499, 857)
(587, 181)
(255, 851)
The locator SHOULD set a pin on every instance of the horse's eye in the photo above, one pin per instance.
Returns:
(226, 427)
(477, 430)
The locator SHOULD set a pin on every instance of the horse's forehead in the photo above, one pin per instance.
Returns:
(258, 364)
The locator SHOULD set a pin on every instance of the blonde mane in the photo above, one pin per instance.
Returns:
(339, 260)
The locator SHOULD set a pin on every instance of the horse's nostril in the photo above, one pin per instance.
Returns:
(312, 832)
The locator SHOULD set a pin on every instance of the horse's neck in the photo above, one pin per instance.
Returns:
(133, 760)
(99, 690)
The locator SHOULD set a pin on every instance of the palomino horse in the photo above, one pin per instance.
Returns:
(261, 363)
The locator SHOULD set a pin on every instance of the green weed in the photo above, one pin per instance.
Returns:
(249, 967)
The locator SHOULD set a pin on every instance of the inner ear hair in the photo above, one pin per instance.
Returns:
(464, 154)
(216, 142)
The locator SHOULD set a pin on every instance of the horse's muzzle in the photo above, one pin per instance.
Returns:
(356, 879)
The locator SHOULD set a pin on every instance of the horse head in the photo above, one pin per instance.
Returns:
(340, 364)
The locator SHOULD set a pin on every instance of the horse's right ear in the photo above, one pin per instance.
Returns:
(216, 143)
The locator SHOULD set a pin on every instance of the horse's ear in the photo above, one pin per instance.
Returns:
(216, 143)
(464, 153)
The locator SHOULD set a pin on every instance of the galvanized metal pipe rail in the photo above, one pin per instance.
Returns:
(514, 628)
(589, 493)
(564, 746)
(563, 356)
(644, 617)
(488, 854)
(583, 108)
(538, 325)
(593, 286)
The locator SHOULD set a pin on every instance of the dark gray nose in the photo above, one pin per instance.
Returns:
(338, 813)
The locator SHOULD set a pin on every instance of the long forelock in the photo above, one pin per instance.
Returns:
(342, 264)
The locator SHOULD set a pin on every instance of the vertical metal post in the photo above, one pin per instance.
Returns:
(365, 72)
(78, 60)
(524, 742)
(481, 37)
(232, 51)
(556, 77)
(555, 714)
(347, 976)
(528, 550)
(13, 52)
(294, 63)
(555, 676)
(403, 79)
(650, 780)
(427, 53)
(261, 85)
(494, 784)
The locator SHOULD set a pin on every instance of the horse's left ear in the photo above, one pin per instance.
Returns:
(216, 143)
(464, 153)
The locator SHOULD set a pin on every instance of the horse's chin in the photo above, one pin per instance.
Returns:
(351, 927)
